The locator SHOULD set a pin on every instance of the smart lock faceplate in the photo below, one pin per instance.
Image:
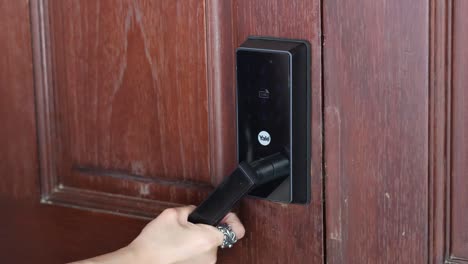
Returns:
(273, 111)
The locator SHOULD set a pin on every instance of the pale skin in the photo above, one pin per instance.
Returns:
(171, 239)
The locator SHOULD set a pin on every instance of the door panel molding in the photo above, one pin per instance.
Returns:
(447, 219)
(69, 179)
(220, 46)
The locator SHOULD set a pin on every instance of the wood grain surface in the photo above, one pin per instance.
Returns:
(376, 131)
(439, 132)
(459, 142)
(18, 150)
(123, 101)
(220, 23)
(447, 193)
(130, 86)
(34, 233)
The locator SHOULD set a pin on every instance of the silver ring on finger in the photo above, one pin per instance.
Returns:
(230, 237)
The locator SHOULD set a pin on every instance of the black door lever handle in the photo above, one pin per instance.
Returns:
(245, 177)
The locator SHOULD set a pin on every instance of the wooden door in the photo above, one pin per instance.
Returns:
(124, 108)
(112, 111)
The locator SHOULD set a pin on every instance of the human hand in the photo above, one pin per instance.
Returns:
(170, 238)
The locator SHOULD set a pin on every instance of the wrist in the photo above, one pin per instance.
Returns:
(128, 254)
(145, 255)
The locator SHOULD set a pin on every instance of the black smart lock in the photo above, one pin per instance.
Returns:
(273, 128)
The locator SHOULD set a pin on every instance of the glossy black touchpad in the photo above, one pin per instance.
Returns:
(263, 94)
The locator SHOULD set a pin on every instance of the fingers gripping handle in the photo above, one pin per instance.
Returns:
(244, 178)
(225, 196)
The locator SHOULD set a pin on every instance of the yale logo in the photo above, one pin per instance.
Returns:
(264, 138)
